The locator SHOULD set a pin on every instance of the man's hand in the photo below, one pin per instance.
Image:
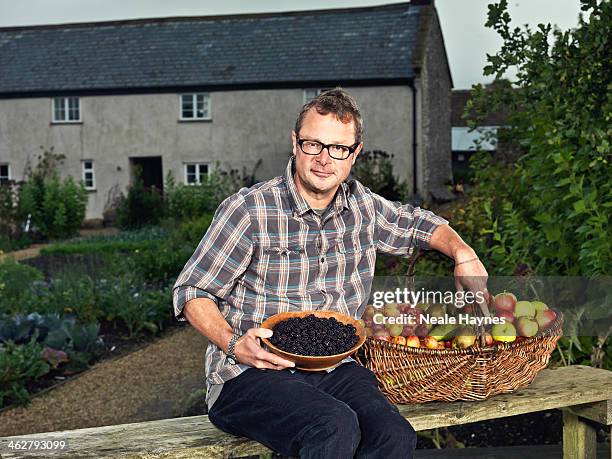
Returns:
(248, 351)
(470, 274)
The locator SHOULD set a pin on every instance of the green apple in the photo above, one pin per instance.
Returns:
(539, 306)
(526, 326)
(396, 329)
(524, 309)
(504, 332)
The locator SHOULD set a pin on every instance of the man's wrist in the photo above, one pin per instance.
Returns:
(463, 252)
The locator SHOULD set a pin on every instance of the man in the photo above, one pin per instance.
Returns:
(306, 240)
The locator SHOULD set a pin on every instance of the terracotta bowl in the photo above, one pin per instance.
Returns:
(314, 363)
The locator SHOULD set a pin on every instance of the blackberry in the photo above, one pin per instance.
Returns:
(314, 336)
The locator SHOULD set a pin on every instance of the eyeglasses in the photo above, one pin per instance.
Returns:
(312, 147)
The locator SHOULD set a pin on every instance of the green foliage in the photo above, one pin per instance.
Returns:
(18, 365)
(56, 207)
(9, 216)
(16, 280)
(551, 209)
(374, 170)
(141, 207)
(186, 202)
(192, 231)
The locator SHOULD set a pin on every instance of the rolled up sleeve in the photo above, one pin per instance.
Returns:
(221, 257)
(401, 227)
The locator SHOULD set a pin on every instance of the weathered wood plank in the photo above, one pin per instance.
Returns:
(553, 388)
(195, 436)
(599, 412)
(579, 438)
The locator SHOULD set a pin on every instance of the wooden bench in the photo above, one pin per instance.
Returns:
(583, 393)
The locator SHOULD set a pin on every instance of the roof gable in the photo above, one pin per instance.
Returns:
(374, 43)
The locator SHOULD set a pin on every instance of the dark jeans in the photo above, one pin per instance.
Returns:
(314, 414)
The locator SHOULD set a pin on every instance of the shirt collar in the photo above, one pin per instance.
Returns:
(300, 206)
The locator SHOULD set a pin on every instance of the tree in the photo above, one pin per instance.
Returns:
(551, 209)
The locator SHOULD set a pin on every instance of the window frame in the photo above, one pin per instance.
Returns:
(8, 171)
(91, 170)
(207, 101)
(317, 92)
(66, 109)
(197, 173)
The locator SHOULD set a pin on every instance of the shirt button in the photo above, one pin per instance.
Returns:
(322, 260)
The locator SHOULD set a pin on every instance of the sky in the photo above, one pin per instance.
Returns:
(467, 40)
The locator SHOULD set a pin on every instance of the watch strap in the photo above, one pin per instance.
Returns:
(230, 349)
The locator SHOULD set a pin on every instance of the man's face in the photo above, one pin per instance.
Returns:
(321, 175)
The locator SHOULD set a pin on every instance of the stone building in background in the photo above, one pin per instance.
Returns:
(183, 95)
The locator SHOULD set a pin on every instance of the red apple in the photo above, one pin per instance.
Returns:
(545, 318)
(398, 340)
(408, 330)
(488, 339)
(507, 315)
(382, 334)
(504, 302)
(526, 326)
(413, 341)
(421, 331)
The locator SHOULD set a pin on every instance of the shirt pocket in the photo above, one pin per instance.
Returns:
(281, 266)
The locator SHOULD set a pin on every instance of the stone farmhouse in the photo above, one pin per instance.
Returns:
(184, 95)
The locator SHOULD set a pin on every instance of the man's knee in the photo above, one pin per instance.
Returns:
(337, 427)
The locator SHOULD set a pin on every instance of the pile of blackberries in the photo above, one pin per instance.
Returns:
(313, 335)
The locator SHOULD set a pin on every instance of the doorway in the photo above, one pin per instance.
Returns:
(150, 169)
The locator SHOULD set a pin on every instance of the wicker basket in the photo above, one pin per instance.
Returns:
(416, 375)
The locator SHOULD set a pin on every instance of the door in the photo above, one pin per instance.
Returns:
(150, 170)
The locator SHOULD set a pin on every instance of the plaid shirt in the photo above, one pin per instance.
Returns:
(267, 251)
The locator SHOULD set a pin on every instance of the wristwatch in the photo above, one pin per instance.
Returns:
(231, 357)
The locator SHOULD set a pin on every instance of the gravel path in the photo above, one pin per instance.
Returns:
(152, 383)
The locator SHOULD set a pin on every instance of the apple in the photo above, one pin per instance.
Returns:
(506, 315)
(398, 340)
(421, 331)
(362, 323)
(368, 312)
(431, 342)
(526, 326)
(408, 330)
(405, 308)
(506, 333)
(391, 310)
(382, 333)
(504, 302)
(545, 318)
(524, 309)
(539, 306)
(395, 329)
(413, 341)
(369, 332)
(488, 339)
(448, 344)
(436, 310)
(464, 337)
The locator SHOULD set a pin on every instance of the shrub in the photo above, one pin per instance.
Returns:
(56, 207)
(374, 170)
(16, 280)
(141, 207)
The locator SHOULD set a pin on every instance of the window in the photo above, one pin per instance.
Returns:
(311, 93)
(66, 110)
(195, 106)
(5, 173)
(195, 174)
(89, 177)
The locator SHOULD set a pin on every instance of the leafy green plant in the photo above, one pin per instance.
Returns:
(18, 365)
(56, 207)
(140, 207)
(374, 170)
(16, 280)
